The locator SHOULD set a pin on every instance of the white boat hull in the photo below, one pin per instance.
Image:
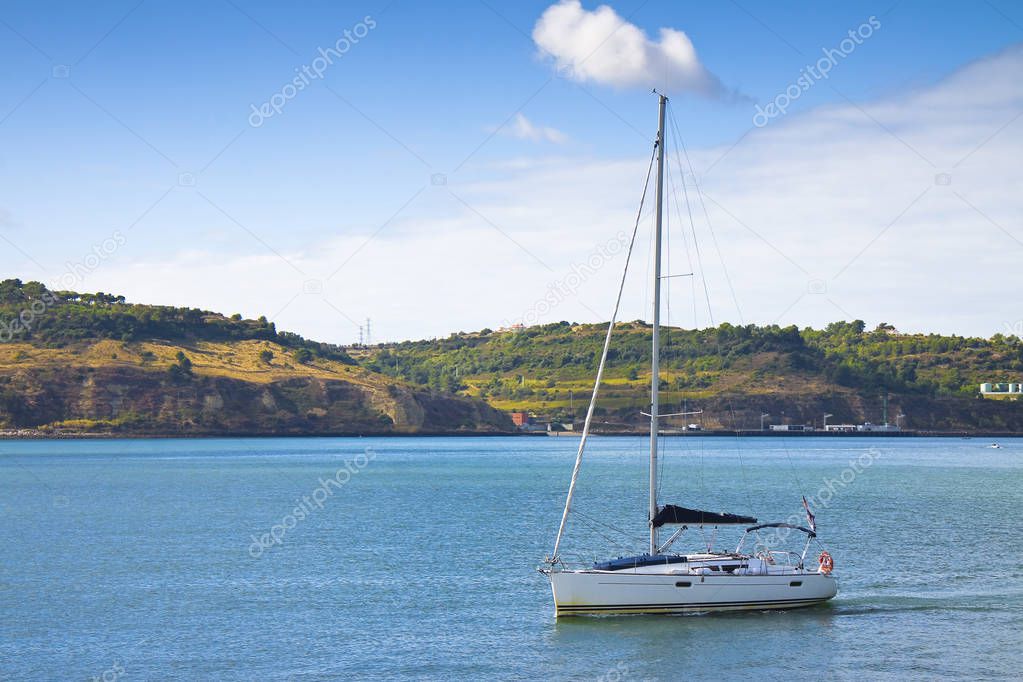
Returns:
(617, 592)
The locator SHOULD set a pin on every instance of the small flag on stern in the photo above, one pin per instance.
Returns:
(809, 515)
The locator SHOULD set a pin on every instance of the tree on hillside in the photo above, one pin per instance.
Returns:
(182, 369)
(266, 355)
(183, 360)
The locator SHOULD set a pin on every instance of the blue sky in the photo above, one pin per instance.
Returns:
(135, 117)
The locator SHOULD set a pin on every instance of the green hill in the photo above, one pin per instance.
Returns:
(73, 362)
(733, 373)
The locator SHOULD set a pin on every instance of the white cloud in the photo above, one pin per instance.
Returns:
(601, 47)
(524, 129)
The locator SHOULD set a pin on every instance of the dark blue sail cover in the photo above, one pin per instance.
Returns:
(639, 561)
(670, 513)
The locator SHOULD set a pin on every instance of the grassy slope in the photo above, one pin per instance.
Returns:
(96, 362)
(126, 387)
(231, 359)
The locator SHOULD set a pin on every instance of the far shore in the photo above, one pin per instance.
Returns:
(38, 434)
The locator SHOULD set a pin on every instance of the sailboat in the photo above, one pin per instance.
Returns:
(662, 581)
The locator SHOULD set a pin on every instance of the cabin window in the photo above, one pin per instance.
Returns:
(683, 584)
(795, 583)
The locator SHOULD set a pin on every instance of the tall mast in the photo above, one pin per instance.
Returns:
(655, 373)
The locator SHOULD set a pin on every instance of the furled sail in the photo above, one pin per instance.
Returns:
(670, 513)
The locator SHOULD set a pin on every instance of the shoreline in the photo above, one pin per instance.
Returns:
(33, 434)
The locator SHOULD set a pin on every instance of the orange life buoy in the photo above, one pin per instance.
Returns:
(826, 562)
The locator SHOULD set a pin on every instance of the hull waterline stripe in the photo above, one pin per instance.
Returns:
(688, 605)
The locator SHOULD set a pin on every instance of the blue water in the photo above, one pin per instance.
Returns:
(130, 560)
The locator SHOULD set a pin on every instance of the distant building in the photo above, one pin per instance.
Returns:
(877, 427)
(841, 427)
(1001, 389)
(520, 419)
(791, 427)
(867, 426)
